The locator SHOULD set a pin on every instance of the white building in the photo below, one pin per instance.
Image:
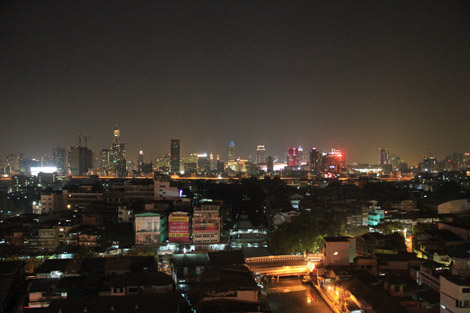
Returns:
(455, 294)
(163, 191)
(338, 250)
(50, 202)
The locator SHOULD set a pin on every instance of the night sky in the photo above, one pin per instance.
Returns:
(351, 75)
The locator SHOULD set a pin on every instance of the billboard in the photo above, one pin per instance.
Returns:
(209, 225)
(147, 229)
(178, 228)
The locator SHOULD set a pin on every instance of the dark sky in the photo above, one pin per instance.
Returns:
(351, 75)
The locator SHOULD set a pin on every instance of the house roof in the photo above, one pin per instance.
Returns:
(38, 285)
(8, 268)
(337, 239)
(233, 257)
(143, 303)
(192, 259)
(141, 279)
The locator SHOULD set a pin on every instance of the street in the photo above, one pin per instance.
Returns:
(290, 295)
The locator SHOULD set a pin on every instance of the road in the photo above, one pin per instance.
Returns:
(290, 295)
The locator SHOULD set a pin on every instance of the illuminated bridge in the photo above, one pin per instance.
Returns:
(282, 265)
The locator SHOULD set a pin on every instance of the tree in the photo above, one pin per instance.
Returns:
(142, 251)
(305, 232)
(84, 252)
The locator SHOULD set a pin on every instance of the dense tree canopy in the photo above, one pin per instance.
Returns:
(305, 232)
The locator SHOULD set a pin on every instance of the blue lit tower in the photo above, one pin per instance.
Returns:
(231, 151)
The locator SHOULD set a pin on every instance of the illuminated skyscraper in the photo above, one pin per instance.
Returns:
(302, 157)
(292, 157)
(335, 161)
(105, 159)
(384, 158)
(260, 150)
(175, 155)
(118, 154)
(140, 161)
(231, 151)
(59, 159)
(315, 160)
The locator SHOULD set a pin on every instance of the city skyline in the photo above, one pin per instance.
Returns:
(350, 76)
(224, 154)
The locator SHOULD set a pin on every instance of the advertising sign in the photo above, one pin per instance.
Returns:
(209, 226)
(147, 230)
(178, 228)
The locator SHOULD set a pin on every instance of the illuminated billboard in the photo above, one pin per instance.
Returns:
(178, 228)
(206, 224)
(147, 229)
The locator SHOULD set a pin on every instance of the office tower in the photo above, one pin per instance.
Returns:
(270, 164)
(175, 155)
(140, 161)
(118, 154)
(335, 161)
(315, 160)
(260, 150)
(231, 151)
(384, 158)
(292, 157)
(80, 160)
(105, 159)
(300, 153)
(59, 157)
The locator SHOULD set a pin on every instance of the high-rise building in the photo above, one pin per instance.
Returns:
(80, 160)
(260, 150)
(59, 157)
(292, 157)
(140, 161)
(105, 159)
(118, 154)
(335, 161)
(300, 153)
(384, 158)
(270, 164)
(315, 160)
(175, 155)
(231, 151)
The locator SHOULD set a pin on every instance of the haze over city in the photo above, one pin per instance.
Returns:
(355, 76)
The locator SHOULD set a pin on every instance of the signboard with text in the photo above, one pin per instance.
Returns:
(178, 228)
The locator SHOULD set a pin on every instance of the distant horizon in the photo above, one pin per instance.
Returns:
(148, 156)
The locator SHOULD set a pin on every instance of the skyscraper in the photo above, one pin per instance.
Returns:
(80, 160)
(260, 150)
(59, 157)
(105, 159)
(315, 160)
(300, 153)
(270, 164)
(231, 151)
(175, 155)
(384, 158)
(118, 154)
(292, 157)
